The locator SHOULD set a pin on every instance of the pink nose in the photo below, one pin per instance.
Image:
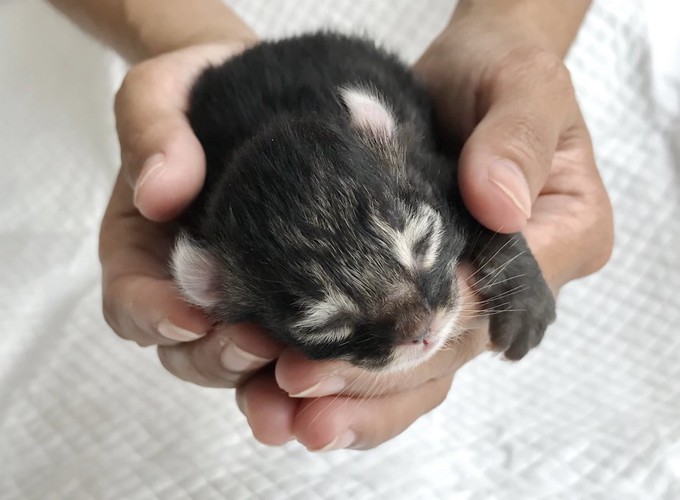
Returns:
(422, 337)
(414, 328)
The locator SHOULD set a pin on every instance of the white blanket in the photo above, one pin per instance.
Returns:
(594, 413)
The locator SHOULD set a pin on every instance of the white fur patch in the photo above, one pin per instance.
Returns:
(400, 247)
(195, 272)
(425, 223)
(330, 336)
(368, 112)
(318, 313)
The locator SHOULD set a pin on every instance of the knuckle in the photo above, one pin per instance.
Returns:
(168, 361)
(117, 306)
(602, 231)
(108, 312)
(139, 81)
(528, 141)
(533, 66)
(440, 397)
(142, 74)
(174, 360)
(111, 312)
(203, 367)
(550, 68)
(203, 356)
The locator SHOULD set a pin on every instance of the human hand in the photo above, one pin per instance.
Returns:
(162, 170)
(141, 303)
(527, 163)
(499, 89)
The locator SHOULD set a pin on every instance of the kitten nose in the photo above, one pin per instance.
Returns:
(414, 325)
(417, 334)
(421, 338)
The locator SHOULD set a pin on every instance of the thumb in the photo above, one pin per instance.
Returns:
(503, 166)
(507, 159)
(162, 158)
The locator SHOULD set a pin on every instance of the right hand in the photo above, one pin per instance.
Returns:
(163, 167)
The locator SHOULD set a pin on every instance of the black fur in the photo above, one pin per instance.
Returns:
(291, 186)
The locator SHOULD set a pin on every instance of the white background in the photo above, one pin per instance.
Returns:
(593, 414)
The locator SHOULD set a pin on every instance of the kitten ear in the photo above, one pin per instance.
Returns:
(196, 272)
(368, 112)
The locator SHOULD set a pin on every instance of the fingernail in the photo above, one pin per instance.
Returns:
(235, 359)
(510, 179)
(171, 331)
(325, 387)
(150, 169)
(242, 403)
(341, 442)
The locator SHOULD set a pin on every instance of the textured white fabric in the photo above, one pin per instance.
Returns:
(593, 414)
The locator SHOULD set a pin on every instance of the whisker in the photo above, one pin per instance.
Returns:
(501, 281)
(497, 271)
(512, 240)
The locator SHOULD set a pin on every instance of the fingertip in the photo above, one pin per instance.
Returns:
(319, 423)
(290, 367)
(148, 311)
(254, 340)
(269, 410)
(301, 377)
(493, 193)
(184, 317)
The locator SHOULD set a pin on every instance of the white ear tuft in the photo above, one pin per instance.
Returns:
(196, 272)
(368, 112)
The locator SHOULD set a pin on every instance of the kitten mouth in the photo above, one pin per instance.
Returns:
(418, 351)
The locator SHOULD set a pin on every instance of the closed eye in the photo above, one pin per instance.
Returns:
(329, 336)
(424, 232)
(426, 249)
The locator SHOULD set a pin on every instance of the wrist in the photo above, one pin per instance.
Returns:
(551, 26)
(140, 29)
(161, 26)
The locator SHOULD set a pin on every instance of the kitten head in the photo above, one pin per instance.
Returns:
(319, 232)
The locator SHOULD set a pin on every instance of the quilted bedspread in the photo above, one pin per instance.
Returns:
(594, 413)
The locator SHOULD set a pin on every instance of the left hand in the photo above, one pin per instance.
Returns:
(513, 103)
(162, 170)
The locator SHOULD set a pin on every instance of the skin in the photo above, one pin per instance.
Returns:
(497, 76)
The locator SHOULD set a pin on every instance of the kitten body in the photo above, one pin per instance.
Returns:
(331, 216)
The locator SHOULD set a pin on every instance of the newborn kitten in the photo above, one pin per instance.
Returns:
(330, 216)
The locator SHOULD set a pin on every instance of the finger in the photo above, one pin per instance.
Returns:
(225, 357)
(526, 105)
(140, 301)
(269, 410)
(149, 311)
(162, 158)
(329, 423)
(572, 232)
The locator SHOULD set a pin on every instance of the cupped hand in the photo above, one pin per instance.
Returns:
(162, 170)
(527, 164)
(513, 102)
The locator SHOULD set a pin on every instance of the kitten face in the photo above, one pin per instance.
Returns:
(383, 298)
(404, 306)
(318, 235)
